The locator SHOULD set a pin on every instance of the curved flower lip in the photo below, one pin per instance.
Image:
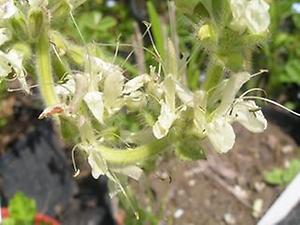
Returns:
(220, 134)
(253, 14)
(164, 122)
(248, 114)
(94, 101)
(4, 35)
(136, 83)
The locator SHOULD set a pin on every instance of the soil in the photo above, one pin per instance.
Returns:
(222, 189)
(218, 191)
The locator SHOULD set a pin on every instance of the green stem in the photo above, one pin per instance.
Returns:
(46, 82)
(134, 155)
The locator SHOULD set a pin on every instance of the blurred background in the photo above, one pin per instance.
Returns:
(236, 188)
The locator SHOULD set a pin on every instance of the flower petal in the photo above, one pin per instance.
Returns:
(97, 164)
(131, 171)
(113, 86)
(94, 102)
(136, 83)
(221, 134)
(5, 67)
(66, 89)
(233, 85)
(238, 8)
(7, 9)
(257, 16)
(250, 116)
(184, 94)
(100, 68)
(164, 122)
(4, 35)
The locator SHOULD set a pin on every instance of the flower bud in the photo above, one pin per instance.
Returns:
(205, 32)
(60, 8)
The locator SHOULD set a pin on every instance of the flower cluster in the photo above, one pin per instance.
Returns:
(90, 98)
(11, 62)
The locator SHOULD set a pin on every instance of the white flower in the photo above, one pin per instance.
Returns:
(164, 122)
(94, 102)
(249, 115)
(7, 9)
(12, 63)
(4, 35)
(136, 83)
(5, 67)
(167, 111)
(220, 134)
(113, 87)
(100, 68)
(253, 15)
(257, 16)
(98, 165)
(217, 125)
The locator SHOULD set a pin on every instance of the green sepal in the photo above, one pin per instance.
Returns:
(189, 149)
(35, 21)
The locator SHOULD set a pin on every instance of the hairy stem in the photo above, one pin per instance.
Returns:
(46, 82)
(134, 155)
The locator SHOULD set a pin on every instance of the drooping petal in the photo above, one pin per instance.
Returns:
(184, 94)
(81, 88)
(101, 68)
(15, 59)
(7, 9)
(97, 164)
(94, 102)
(221, 134)
(164, 122)
(136, 83)
(250, 116)
(131, 171)
(5, 67)
(4, 35)
(257, 16)
(233, 85)
(113, 86)
(238, 8)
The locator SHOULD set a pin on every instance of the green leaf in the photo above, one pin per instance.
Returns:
(292, 69)
(279, 176)
(274, 177)
(156, 27)
(187, 7)
(22, 209)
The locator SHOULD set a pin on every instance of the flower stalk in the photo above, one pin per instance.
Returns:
(43, 60)
(134, 155)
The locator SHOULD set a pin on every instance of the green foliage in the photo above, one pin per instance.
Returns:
(282, 52)
(157, 30)
(279, 176)
(22, 210)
